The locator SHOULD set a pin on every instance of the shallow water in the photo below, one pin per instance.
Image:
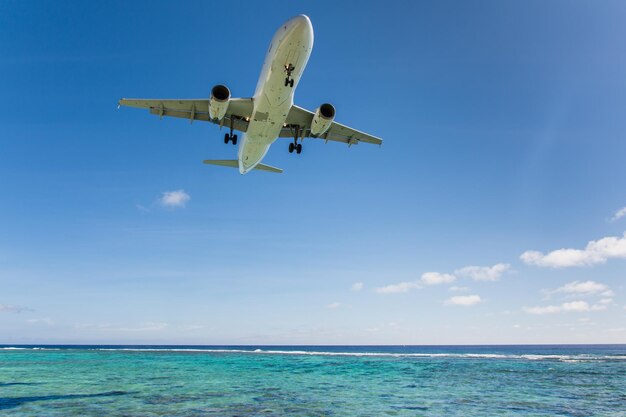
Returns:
(313, 381)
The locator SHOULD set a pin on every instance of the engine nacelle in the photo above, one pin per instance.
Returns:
(218, 103)
(323, 118)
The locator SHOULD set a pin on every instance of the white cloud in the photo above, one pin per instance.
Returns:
(576, 306)
(399, 288)
(542, 310)
(357, 286)
(435, 278)
(464, 300)
(142, 208)
(148, 326)
(46, 320)
(619, 214)
(483, 273)
(191, 327)
(5, 308)
(334, 305)
(596, 252)
(427, 278)
(583, 288)
(174, 199)
(617, 330)
(458, 289)
(572, 306)
(606, 301)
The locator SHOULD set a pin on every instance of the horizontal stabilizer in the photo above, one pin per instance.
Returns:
(233, 163)
(268, 168)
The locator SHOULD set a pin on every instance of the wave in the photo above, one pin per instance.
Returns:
(27, 348)
(528, 357)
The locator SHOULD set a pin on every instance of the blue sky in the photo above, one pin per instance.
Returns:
(504, 133)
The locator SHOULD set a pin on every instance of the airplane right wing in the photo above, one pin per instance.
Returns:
(336, 132)
(239, 110)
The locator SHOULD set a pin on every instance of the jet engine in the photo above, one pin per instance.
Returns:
(218, 103)
(323, 118)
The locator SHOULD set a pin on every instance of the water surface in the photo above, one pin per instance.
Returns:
(313, 380)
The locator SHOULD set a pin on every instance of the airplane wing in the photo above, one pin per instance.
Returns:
(336, 132)
(239, 110)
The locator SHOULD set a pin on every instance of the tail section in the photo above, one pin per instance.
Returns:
(233, 163)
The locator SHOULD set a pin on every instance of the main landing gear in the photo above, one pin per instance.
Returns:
(288, 70)
(229, 136)
(295, 146)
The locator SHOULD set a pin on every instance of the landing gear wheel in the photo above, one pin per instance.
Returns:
(234, 139)
(291, 147)
(298, 148)
(226, 138)
(286, 81)
(291, 83)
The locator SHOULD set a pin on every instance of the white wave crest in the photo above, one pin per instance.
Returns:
(529, 357)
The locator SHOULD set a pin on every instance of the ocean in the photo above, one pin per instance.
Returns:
(550, 380)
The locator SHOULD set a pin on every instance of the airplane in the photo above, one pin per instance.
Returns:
(270, 114)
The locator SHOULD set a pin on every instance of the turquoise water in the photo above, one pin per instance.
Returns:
(313, 381)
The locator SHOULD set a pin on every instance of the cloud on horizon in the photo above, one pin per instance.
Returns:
(427, 278)
(596, 252)
(436, 278)
(464, 300)
(147, 326)
(483, 273)
(6, 308)
(477, 273)
(583, 288)
(401, 287)
(572, 306)
(45, 320)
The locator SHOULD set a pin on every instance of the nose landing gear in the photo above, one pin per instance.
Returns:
(288, 70)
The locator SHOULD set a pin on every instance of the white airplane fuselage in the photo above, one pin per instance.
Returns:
(291, 45)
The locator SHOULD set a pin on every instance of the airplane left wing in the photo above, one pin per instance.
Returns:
(336, 132)
(238, 112)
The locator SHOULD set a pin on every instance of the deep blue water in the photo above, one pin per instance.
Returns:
(545, 380)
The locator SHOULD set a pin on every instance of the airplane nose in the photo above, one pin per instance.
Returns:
(301, 22)
(302, 18)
